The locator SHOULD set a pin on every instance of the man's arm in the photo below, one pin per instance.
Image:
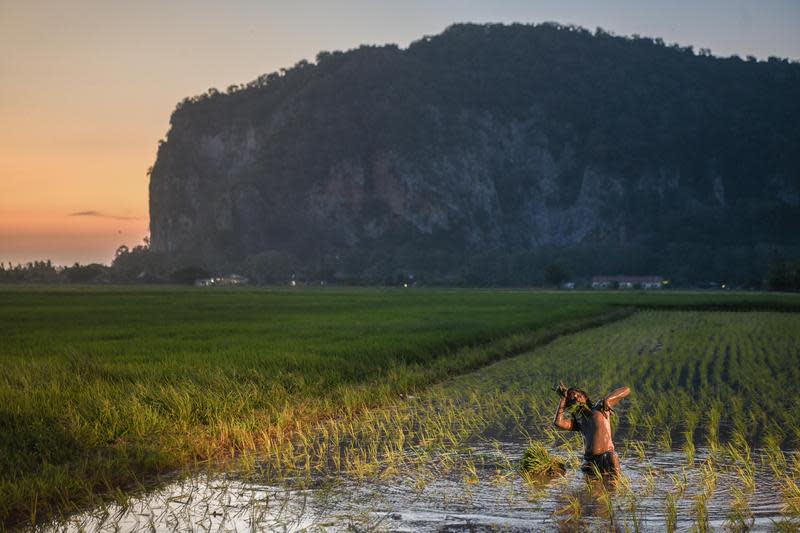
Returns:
(560, 421)
(614, 398)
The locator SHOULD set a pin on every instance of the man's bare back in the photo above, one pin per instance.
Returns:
(594, 423)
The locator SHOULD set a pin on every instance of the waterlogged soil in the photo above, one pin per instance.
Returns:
(491, 495)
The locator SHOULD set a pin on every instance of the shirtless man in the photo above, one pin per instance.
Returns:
(594, 423)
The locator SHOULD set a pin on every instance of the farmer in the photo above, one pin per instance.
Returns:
(594, 423)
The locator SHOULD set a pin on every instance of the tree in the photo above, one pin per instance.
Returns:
(555, 274)
(139, 264)
(270, 267)
(188, 275)
(783, 275)
(90, 273)
(36, 272)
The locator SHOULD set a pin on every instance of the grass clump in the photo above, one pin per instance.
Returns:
(538, 461)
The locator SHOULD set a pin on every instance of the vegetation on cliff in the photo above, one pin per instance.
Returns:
(486, 153)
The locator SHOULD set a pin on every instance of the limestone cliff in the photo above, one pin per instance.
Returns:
(496, 138)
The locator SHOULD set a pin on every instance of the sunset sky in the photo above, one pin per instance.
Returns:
(87, 87)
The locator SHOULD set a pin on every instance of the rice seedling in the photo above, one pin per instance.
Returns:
(471, 477)
(775, 458)
(623, 485)
(634, 513)
(671, 513)
(639, 448)
(785, 526)
(665, 441)
(700, 513)
(680, 483)
(689, 450)
(712, 426)
(690, 420)
(791, 495)
(709, 477)
(538, 461)
(572, 511)
(743, 464)
(650, 476)
(740, 516)
(598, 488)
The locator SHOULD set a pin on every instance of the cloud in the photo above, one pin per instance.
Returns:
(98, 214)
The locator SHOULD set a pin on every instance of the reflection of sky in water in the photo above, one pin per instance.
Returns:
(446, 501)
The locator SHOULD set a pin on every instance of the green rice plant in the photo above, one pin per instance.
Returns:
(649, 423)
(471, 476)
(624, 485)
(650, 476)
(538, 461)
(606, 499)
(634, 513)
(740, 516)
(712, 425)
(785, 525)
(633, 417)
(791, 495)
(775, 458)
(709, 476)
(671, 513)
(665, 441)
(743, 464)
(736, 409)
(571, 511)
(700, 513)
(690, 419)
(680, 483)
(639, 448)
(689, 450)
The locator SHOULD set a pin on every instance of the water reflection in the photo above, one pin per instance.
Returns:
(478, 488)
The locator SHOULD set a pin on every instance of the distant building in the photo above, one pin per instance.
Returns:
(232, 279)
(627, 282)
(222, 281)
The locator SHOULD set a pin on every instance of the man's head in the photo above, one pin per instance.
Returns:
(577, 396)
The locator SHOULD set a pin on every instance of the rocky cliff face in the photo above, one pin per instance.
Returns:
(363, 201)
(459, 145)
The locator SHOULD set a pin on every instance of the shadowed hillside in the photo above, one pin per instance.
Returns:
(485, 154)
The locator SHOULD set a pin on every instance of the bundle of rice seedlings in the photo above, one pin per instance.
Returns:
(538, 461)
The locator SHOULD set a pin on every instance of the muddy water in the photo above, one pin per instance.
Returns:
(477, 488)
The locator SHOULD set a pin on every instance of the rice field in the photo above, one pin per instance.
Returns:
(107, 395)
(708, 440)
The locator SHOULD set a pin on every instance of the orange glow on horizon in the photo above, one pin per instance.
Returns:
(67, 238)
(88, 87)
(42, 190)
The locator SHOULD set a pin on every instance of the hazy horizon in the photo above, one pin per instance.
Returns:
(89, 87)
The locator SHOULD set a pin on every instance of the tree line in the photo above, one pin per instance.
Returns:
(546, 268)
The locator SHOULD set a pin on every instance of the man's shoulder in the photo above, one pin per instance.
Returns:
(602, 407)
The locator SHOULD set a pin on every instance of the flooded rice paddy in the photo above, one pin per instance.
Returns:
(479, 488)
(704, 445)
